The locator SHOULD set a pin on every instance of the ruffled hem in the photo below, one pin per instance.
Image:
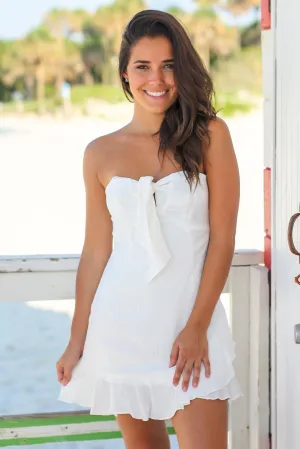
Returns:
(142, 399)
(149, 392)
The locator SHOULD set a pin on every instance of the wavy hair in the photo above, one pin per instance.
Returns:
(184, 130)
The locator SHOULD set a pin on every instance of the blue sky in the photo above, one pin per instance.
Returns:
(17, 17)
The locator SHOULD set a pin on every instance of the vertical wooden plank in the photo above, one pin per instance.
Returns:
(286, 294)
(267, 217)
(259, 359)
(239, 279)
(268, 42)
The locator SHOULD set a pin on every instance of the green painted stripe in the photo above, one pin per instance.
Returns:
(69, 438)
(37, 422)
(56, 439)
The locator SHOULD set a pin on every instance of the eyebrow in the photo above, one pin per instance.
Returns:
(141, 61)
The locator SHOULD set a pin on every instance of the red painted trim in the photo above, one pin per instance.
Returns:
(266, 14)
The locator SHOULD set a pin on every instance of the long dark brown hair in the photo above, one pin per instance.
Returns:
(184, 130)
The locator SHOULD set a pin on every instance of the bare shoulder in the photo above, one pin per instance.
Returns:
(101, 146)
(218, 128)
(100, 153)
(223, 182)
(220, 155)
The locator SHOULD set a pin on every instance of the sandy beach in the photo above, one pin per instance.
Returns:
(42, 212)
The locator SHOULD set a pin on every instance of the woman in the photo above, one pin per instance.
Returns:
(149, 341)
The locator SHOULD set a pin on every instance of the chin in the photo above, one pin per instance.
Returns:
(157, 109)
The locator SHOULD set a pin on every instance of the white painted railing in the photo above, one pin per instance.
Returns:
(248, 288)
(29, 278)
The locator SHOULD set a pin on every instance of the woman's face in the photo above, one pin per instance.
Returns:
(150, 72)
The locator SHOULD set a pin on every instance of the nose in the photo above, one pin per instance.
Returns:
(156, 76)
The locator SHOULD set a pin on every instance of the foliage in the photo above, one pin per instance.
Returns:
(241, 72)
(175, 11)
(233, 6)
(251, 35)
(109, 93)
(82, 48)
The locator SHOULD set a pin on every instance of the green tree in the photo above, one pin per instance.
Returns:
(234, 6)
(210, 36)
(28, 58)
(63, 24)
(4, 48)
(176, 11)
(92, 52)
(39, 58)
(251, 35)
(110, 21)
(238, 6)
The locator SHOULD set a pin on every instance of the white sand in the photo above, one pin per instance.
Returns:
(42, 205)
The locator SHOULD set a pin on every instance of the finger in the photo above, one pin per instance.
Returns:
(67, 376)
(174, 355)
(206, 366)
(60, 372)
(178, 371)
(187, 371)
(196, 373)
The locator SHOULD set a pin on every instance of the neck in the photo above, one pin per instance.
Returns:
(144, 122)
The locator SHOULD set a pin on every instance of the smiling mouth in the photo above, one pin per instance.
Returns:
(157, 94)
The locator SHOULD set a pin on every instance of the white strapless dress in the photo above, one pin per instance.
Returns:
(143, 301)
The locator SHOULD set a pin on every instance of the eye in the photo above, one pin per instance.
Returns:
(169, 66)
(142, 67)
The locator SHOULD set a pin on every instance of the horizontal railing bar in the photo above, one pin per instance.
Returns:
(247, 257)
(66, 262)
(39, 263)
(60, 429)
(68, 438)
(47, 415)
(59, 439)
(44, 419)
(40, 431)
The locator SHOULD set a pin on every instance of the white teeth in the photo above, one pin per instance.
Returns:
(156, 94)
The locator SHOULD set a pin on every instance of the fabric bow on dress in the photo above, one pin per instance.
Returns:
(148, 231)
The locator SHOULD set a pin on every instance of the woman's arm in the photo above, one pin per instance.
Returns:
(97, 244)
(190, 348)
(224, 189)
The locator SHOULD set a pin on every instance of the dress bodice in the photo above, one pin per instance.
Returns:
(142, 210)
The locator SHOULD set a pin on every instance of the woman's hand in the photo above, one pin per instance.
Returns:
(66, 363)
(189, 350)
